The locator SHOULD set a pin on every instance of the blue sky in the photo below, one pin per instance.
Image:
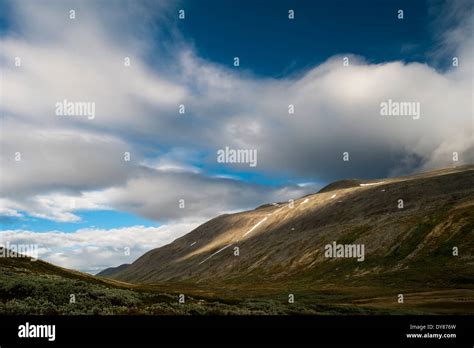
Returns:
(271, 45)
(103, 219)
(190, 62)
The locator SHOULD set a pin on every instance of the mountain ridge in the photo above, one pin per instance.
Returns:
(280, 244)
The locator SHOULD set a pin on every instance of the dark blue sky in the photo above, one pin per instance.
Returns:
(269, 44)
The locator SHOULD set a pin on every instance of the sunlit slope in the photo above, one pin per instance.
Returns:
(283, 244)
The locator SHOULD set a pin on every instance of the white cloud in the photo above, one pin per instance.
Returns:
(91, 250)
(157, 194)
(59, 159)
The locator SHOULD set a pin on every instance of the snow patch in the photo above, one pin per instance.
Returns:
(372, 183)
(217, 252)
(254, 227)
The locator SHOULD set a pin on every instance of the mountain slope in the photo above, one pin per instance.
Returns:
(25, 266)
(283, 246)
(39, 288)
(112, 270)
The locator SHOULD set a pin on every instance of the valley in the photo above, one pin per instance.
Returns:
(414, 257)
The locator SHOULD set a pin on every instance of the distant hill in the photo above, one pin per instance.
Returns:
(112, 270)
(341, 184)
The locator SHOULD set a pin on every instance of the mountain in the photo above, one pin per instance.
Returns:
(409, 246)
(421, 250)
(112, 270)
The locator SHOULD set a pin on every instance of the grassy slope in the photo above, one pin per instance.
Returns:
(40, 288)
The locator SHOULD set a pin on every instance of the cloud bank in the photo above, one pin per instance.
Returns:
(91, 250)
